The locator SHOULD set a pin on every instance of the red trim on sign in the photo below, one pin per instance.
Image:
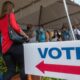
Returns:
(58, 68)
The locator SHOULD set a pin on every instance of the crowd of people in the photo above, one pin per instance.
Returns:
(40, 34)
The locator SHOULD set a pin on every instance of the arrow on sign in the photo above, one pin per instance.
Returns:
(58, 68)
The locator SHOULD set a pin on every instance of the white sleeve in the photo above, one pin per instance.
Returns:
(78, 31)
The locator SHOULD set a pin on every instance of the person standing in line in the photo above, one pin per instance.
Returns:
(31, 32)
(12, 52)
(65, 32)
(76, 32)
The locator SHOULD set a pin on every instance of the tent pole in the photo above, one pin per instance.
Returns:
(40, 15)
(70, 25)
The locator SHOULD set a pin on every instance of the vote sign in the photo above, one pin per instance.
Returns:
(53, 59)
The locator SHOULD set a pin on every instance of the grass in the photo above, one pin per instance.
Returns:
(47, 78)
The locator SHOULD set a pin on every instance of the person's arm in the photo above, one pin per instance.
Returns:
(23, 34)
(15, 26)
(47, 37)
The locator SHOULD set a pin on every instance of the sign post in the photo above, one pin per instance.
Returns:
(53, 59)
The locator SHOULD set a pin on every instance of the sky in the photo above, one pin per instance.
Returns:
(77, 1)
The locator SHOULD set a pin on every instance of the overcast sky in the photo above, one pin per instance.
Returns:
(77, 1)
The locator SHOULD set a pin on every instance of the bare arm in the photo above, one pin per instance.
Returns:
(47, 37)
(23, 34)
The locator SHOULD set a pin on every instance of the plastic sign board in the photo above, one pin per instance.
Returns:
(53, 59)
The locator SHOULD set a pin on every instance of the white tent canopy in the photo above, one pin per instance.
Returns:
(52, 14)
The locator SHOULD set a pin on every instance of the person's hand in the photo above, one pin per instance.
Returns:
(27, 38)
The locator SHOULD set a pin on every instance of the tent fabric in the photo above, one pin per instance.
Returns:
(53, 16)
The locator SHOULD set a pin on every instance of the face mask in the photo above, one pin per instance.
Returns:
(59, 33)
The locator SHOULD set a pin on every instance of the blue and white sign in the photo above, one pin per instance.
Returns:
(53, 59)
